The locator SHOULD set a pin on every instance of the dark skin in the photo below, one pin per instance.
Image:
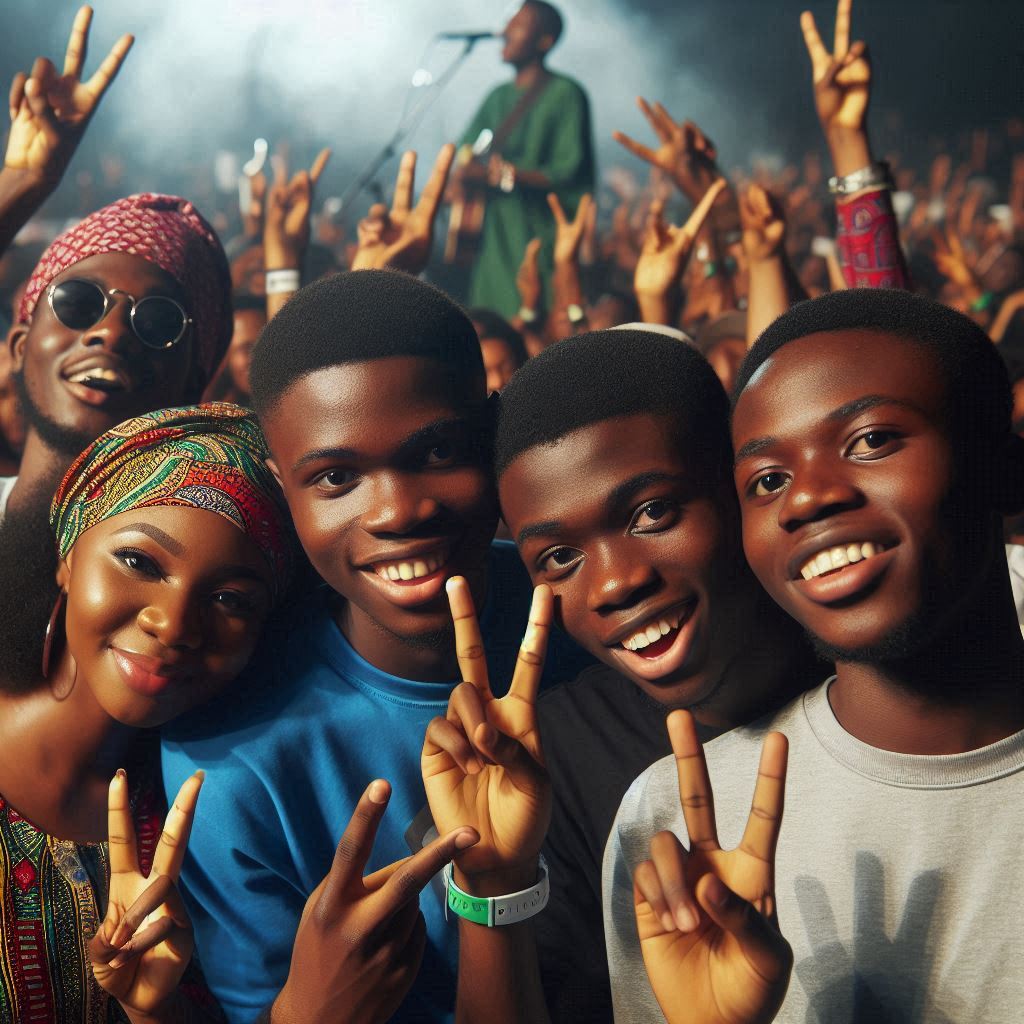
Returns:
(377, 462)
(248, 324)
(499, 363)
(48, 354)
(625, 527)
(844, 438)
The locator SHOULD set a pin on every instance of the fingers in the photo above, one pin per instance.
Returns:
(78, 43)
(445, 737)
(636, 148)
(530, 662)
(405, 182)
(430, 198)
(318, 165)
(355, 845)
(408, 881)
(820, 57)
(170, 850)
(153, 896)
(124, 857)
(583, 209)
(700, 213)
(17, 93)
(107, 71)
(655, 118)
(647, 887)
(532, 252)
(150, 936)
(763, 945)
(279, 163)
(466, 709)
(694, 785)
(669, 859)
(469, 643)
(842, 36)
(761, 835)
(654, 230)
(556, 209)
(39, 105)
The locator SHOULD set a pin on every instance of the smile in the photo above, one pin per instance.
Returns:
(412, 569)
(100, 377)
(653, 631)
(832, 559)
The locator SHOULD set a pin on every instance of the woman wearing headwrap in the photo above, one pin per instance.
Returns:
(173, 546)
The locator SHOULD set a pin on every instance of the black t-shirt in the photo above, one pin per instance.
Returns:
(599, 731)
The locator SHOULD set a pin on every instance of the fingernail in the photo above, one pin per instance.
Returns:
(686, 919)
(717, 892)
(378, 792)
(116, 962)
(121, 773)
(464, 840)
(200, 774)
(667, 923)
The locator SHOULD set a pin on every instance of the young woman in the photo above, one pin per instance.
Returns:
(173, 547)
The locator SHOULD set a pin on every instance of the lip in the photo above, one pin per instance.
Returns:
(634, 624)
(145, 675)
(413, 593)
(652, 669)
(834, 539)
(849, 582)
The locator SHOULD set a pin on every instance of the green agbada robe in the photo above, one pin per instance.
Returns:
(553, 137)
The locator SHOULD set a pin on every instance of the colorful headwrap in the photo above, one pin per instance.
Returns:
(168, 231)
(209, 456)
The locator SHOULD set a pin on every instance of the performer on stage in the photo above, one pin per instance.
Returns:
(531, 136)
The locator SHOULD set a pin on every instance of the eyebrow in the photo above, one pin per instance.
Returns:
(165, 540)
(544, 529)
(414, 440)
(837, 415)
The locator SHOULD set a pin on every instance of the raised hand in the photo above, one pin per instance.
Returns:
(706, 917)
(528, 282)
(842, 80)
(288, 207)
(402, 236)
(569, 233)
(764, 228)
(50, 111)
(685, 153)
(664, 253)
(482, 764)
(144, 944)
(360, 940)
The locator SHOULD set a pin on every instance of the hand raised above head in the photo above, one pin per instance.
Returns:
(569, 233)
(764, 226)
(288, 206)
(706, 916)
(50, 111)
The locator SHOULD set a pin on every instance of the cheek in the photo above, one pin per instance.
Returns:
(98, 604)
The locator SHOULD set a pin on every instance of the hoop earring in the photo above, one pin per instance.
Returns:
(51, 631)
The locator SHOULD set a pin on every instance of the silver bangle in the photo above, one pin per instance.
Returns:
(875, 175)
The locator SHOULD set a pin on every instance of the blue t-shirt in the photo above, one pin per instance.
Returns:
(287, 754)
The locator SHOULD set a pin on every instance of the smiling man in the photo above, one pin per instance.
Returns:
(370, 388)
(614, 464)
(874, 463)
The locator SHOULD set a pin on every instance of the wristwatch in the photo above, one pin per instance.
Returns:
(576, 313)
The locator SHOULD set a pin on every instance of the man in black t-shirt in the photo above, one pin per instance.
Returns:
(615, 477)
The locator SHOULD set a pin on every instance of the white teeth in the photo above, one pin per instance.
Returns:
(837, 558)
(95, 373)
(419, 569)
(664, 627)
(405, 570)
(652, 632)
(392, 571)
(413, 570)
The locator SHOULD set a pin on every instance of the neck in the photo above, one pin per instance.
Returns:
(58, 755)
(42, 467)
(964, 691)
(530, 73)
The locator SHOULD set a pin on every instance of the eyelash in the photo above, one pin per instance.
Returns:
(150, 568)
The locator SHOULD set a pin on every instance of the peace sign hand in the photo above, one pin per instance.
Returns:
(569, 233)
(402, 236)
(50, 112)
(764, 226)
(706, 917)
(142, 968)
(482, 764)
(288, 205)
(842, 79)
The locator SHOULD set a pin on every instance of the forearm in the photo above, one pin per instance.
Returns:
(769, 295)
(499, 972)
(277, 256)
(660, 307)
(868, 242)
(179, 1009)
(21, 194)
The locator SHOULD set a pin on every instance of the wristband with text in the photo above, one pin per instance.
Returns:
(495, 911)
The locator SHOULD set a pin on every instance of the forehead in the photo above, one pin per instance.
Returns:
(126, 272)
(806, 379)
(368, 405)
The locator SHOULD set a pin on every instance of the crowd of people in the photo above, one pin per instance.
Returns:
(415, 638)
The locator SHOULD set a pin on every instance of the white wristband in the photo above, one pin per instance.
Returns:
(493, 911)
(280, 281)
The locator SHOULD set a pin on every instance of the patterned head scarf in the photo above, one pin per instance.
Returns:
(167, 231)
(209, 456)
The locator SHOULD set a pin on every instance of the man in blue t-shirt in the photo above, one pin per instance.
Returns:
(371, 389)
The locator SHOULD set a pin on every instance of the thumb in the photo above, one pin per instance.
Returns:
(762, 943)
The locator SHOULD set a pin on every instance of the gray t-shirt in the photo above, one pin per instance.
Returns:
(6, 486)
(898, 877)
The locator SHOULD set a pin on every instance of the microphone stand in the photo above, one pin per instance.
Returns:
(412, 115)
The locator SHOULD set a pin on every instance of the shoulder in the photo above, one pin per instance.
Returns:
(567, 90)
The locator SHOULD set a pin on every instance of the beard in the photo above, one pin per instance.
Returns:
(28, 590)
(66, 440)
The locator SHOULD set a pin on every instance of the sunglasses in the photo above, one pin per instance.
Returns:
(157, 321)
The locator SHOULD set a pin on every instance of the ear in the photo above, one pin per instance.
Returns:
(545, 43)
(64, 572)
(272, 466)
(16, 339)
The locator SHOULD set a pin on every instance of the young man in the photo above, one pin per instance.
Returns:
(874, 463)
(540, 141)
(370, 387)
(614, 464)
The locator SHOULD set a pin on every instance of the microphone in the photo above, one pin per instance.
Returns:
(468, 37)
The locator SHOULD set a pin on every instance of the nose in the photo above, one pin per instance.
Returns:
(114, 329)
(818, 490)
(617, 581)
(175, 620)
(397, 505)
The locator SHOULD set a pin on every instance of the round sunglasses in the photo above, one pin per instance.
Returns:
(157, 321)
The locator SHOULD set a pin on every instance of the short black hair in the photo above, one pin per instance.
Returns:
(979, 389)
(496, 326)
(358, 316)
(549, 18)
(602, 375)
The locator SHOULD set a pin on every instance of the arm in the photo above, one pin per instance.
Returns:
(528, 284)
(49, 116)
(566, 288)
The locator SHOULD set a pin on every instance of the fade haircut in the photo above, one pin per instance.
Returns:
(603, 375)
(979, 395)
(549, 19)
(359, 316)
